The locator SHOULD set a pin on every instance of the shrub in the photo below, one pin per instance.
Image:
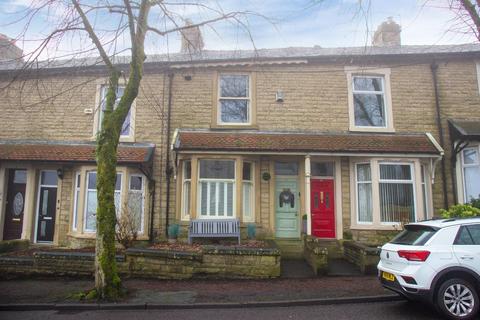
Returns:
(475, 202)
(460, 211)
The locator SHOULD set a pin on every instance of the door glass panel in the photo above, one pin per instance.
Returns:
(49, 178)
(286, 168)
(17, 205)
(322, 169)
(327, 200)
(20, 176)
(44, 202)
(315, 200)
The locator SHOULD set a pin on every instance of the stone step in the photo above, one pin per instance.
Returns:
(290, 248)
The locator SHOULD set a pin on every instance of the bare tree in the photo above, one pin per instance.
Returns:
(467, 14)
(127, 19)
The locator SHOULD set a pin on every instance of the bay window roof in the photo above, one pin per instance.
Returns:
(32, 150)
(303, 142)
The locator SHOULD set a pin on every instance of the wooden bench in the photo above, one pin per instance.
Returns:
(209, 228)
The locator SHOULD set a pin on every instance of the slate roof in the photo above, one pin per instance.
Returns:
(70, 152)
(268, 54)
(187, 140)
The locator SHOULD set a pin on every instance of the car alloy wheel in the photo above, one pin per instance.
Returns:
(457, 299)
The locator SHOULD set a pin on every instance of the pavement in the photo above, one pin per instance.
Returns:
(56, 293)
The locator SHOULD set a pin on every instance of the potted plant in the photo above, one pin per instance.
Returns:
(173, 231)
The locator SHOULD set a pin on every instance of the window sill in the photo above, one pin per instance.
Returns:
(372, 129)
(92, 235)
(234, 126)
(122, 139)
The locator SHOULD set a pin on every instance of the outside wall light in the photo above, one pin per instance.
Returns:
(60, 173)
(279, 96)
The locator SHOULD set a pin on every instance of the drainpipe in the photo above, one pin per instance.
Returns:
(434, 68)
(168, 169)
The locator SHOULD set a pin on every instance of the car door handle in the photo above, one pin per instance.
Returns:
(466, 257)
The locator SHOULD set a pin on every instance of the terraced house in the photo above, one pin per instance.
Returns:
(354, 141)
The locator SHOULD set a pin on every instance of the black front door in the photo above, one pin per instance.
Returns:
(17, 184)
(47, 204)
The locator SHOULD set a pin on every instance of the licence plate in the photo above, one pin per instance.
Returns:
(388, 276)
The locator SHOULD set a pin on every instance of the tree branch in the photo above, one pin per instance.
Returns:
(472, 11)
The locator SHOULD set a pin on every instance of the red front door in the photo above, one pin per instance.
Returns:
(322, 207)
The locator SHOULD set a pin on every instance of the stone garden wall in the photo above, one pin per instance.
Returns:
(212, 261)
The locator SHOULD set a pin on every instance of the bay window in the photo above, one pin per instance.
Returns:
(388, 193)
(127, 200)
(248, 192)
(216, 188)
(135, 201)
(364, 192)
(186, 189)
(397, 203)
(76, 199)
(471, 173)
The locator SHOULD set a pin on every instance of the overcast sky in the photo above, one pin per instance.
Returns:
(327, 23)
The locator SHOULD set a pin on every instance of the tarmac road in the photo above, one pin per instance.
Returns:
(371, 311)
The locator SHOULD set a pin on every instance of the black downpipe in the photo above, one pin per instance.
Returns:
(168, 169)
(434, 68)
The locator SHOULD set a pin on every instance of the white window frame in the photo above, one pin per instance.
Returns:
(77, 190)
(185, 216)
(98, 110)
(357, 213)
(390, 181)
(248, 98)
(199, 192)
(477, 65)
(85, 207)
(470, 165)
(142, 192)
(251, 182)
(376, 224)
(384, 74)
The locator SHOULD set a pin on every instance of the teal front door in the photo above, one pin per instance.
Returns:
(287, 203)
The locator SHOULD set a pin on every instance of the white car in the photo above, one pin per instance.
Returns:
(437, 261)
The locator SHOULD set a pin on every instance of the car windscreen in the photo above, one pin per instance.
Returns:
(414, 235)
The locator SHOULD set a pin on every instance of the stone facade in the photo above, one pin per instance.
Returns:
(54, 107)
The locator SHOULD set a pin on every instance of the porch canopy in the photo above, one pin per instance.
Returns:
(464, 130)
(358, 144)
(31, 150)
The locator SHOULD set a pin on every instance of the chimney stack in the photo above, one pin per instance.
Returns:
(9, 52)
(387, 34)
(192, 41)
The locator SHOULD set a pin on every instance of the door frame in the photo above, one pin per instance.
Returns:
(300, 178)
(337, 186)
(37, 207)
(332, 178)
(29, 208)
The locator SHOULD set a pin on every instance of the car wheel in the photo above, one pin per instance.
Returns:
(457, 299)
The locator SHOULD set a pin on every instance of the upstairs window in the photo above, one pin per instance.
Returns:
(369, 101)
(234, 99)
(127, 128)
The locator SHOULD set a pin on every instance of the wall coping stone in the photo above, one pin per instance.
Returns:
(234, 250)
(73, 255)
(366, 249)
(171, 254)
